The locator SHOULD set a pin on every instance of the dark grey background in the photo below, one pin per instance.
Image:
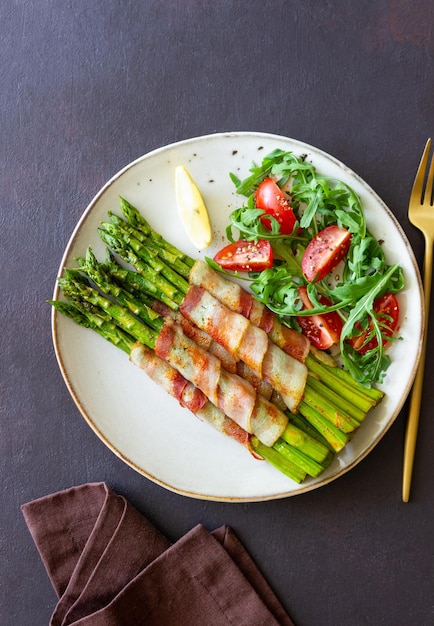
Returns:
(87, 87)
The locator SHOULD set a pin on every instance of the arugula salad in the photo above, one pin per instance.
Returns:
(302, 242)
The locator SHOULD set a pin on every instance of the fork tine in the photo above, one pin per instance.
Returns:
(417, 191)
(429, 183)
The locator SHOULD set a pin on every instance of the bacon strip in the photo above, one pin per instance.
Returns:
(247, 343)
(228, 292)
(187, 394)
(168, 378)
(198, 336)
(224, 326)
(287, 376)
(235, 396)
(266, 421)
(231, 330)
(261, 316)
(192, 361)
(233, 296)
(261, 386)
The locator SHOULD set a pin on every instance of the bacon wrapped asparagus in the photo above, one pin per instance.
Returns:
(185, 315)
(296, 455)
(327, 420)
(235, 396)
(336, 414)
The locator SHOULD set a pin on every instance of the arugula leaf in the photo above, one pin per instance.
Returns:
(319, 201)
(369, 366)
(215, 266)
(258, 172)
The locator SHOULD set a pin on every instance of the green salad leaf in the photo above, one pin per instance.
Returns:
(319, 201)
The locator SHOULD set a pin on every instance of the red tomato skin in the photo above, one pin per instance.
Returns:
(271, 199)
(324, 252)
(322, 330)
(388, 306)
(245, 256)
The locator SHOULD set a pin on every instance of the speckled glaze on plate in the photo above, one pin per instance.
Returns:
(142, 424)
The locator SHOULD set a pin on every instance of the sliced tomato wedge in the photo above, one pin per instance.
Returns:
(245, 256)
(271, 199)
(324, 252)
(322, 330)
(387, 311)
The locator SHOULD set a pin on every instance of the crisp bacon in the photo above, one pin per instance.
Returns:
(235, 396)
(194, 363)
(290, 341)
(168, 378)
(198, 336)
(253, 348)
(287, 375)
(261, 317)
(233, 296)
(224, 326)
(247, 343)
(228, 292)
(266, 422)
(187, 394)
(261, 386)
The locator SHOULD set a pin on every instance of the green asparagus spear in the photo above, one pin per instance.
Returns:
(92, 310)
(136, 219)
(173, 260)
(336, 438)
(311, 467)
(122, 234)
(277, 460)
(77, 290)
(306, 443)
(97, 274)
(84, 316)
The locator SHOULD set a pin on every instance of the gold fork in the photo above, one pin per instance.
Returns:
(421, 215)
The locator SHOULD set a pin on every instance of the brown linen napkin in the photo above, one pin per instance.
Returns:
(110, 567)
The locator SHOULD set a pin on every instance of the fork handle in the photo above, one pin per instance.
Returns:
(416, 392)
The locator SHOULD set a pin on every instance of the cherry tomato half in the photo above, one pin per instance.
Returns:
(324, 252)
(387, 311)
(246, 256)
(322, 330)
(271, 199)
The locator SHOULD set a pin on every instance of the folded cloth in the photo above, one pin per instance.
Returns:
(111, 567)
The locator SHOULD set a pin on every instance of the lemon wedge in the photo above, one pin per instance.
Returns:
(192, 209)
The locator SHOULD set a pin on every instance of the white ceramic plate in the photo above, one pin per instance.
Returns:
(141, 423)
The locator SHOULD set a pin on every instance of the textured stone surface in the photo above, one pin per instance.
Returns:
(87, 87)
